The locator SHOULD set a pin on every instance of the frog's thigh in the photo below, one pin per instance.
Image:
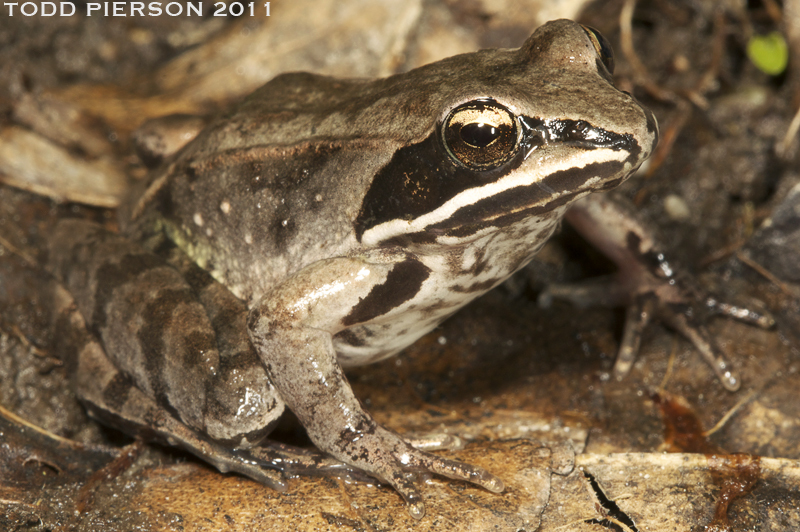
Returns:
(242, 394)
(157, 334)
(113, 398)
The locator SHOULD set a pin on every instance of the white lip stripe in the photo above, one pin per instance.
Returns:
(533, 173)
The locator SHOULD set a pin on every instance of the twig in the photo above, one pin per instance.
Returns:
(11, 416)
(766, 273)
(640, 71)
(729, 414)
(670, 363)
(783, 146)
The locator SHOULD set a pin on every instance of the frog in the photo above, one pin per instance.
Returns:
(328, 223)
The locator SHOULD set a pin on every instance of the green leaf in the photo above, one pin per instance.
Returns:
(769, 53)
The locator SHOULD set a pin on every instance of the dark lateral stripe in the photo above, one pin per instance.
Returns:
(421, 177)
(523, 201)
(402, 283)
(417, 180)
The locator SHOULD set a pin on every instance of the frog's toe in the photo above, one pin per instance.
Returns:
(405, 486)
(708, 348)
(753, 314)
(640, 312)
(674, 300)
(402, 477)
(389, 458)
(250, 466)
(293, 461)
(461, 471)
(437, 442)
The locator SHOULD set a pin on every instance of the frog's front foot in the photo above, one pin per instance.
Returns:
(374, 453)
(389, 458)
(648, 285)
(338, 425)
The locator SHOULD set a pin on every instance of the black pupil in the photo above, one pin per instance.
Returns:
(478, 134)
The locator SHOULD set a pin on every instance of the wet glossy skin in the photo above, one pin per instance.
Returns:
(348, 218)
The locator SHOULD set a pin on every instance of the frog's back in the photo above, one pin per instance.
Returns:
(254, 214)
(279, 183)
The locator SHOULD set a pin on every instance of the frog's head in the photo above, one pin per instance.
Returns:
(514, 134)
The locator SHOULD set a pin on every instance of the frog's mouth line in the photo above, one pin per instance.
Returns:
(556, 160)
(517, 203)
(540, 196)
(543, 198)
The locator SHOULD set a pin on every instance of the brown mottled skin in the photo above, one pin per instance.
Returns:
(324, 223)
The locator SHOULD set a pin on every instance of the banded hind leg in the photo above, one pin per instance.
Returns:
(146, 358)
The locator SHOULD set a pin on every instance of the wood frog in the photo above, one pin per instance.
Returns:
(328, 223)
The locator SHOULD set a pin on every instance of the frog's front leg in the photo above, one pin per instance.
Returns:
(647, 284)
(292, 328)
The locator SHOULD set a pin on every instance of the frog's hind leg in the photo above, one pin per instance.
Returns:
(162, 370)
(112, 398)
(156, 331)
(648, 285)
(228, 315)
(120, 289)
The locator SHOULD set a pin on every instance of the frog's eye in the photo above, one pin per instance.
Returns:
(601, 45)
(481, 134)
